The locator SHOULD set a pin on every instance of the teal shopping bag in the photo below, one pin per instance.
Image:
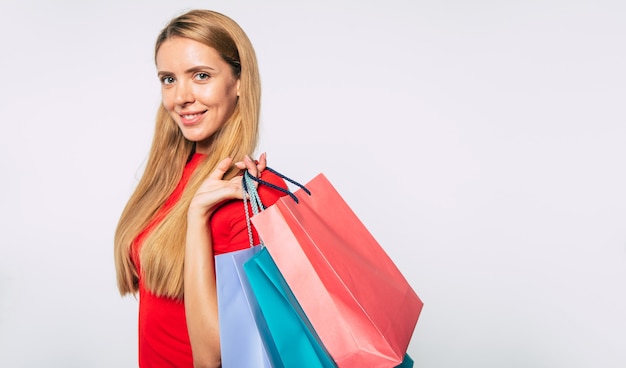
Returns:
(289, 334)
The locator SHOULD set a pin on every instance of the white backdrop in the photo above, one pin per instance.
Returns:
(482, 143)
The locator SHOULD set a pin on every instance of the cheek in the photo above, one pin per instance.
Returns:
(167, 100)
(231, 97)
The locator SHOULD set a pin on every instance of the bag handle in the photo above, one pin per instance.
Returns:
(286, 191)
(250, 191)
(251, 194)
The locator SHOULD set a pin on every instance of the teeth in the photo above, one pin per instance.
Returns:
(189, 117)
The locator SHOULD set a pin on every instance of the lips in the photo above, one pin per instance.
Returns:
(191, 118)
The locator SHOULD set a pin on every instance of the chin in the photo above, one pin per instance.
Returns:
(194, 138)
(193, 134)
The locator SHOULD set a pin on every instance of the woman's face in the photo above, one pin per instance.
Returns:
(198, 88)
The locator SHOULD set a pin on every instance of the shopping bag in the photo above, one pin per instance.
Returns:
(357, 301)
(291, 340)
(239, 314)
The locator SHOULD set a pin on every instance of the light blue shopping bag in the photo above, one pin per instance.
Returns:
(240, 340)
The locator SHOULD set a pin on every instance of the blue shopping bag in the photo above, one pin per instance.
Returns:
(239, 315)
(240, 340)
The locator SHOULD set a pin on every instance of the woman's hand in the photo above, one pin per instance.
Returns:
(214, 191)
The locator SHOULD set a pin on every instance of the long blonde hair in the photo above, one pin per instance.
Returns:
(162, 253)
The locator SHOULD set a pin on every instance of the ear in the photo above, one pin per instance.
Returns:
(238, 82)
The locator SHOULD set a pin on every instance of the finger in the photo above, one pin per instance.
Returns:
(241, 164)
(250, 165)
(221, 169)
(262, 164)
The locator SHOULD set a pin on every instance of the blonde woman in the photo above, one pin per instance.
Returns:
(187, 206)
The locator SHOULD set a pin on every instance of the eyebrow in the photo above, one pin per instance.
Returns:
(190, 70)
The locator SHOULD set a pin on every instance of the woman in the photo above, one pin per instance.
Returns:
(187, 206)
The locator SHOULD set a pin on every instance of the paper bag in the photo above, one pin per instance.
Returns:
(358, 302)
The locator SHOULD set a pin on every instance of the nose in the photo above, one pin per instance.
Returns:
(184, 93)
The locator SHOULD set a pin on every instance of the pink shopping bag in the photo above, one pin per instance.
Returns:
(356, 299)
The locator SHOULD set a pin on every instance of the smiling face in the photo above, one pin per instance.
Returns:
(198, 88)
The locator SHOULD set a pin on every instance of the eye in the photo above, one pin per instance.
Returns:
(167, 79)
(202, 76)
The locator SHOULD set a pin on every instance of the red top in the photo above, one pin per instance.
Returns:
(163, 336)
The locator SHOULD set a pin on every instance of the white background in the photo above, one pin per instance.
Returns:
(481, 142)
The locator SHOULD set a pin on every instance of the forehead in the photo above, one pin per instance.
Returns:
(184, 52)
